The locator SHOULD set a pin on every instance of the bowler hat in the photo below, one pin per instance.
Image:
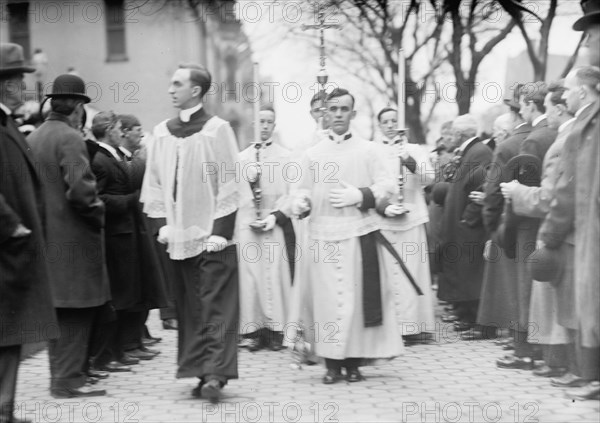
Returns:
(68, 85)
(525, 168)
(12, 60)
(591, 10)
(546, 265)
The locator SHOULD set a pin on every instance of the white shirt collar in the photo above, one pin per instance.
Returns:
(339, 138)
(565, 124)
(110, 149)
(5, 109)
(125, 151)
(465, 144)
(186, 114)
(581, 109)
(538, 120)
(519, 125)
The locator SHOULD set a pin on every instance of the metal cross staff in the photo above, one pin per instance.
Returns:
(322, 76)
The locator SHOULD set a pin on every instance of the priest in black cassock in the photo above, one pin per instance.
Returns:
(191, 180)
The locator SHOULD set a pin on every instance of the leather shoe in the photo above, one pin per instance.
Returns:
(211, 390)
(146, 342)
(141, 355)
(254, 344)
(197, 391)
(353, 375)
(508, 347)
(128, 360)
(97, 374)
(547, 371)
(84, 391)
(568, 380)
(449, 318)
(591, 391)
(332, 376)
(478, 335)
(503, 341)
(462, 326)
(149, 350)
(170, 324)
(514, 362)
(115, 366)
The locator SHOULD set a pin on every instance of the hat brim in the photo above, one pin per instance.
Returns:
(85, 98)
(18, 69)
(511, 103)
(582, 23)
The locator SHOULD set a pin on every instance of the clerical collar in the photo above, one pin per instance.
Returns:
(263, 144)
(538, 120)
(339, 138)
(396, 140)
(565, 124)
(581, 109)
(186, 114)
(5, 109)
(110, 149)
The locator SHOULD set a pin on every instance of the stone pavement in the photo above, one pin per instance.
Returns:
(445, 380)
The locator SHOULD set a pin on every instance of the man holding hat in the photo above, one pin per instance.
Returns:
(75, 219)
(27, 311)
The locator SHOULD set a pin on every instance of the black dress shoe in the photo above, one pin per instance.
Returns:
(170, 324)
(115, 366)
(514, 362)
(449, 318)
(254, 344)
(211, 391)
(332, 376)
(128, 360)
(197, 391)
(97, 374)
(591, 391)
(140, 355)
(149, 350)
(547, 371)
(478, 334)
(462, 326)
(148, 342)
(353, 375)
(568, 380)
(84, 391)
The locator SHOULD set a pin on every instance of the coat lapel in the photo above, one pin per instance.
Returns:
(13, 133)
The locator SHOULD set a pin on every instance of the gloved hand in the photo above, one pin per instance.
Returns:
(346, 196)
(269, 223)
(393, 210)
(215, 243)
(253, 172)
(164, 233)
(508, 188)
(300, 205)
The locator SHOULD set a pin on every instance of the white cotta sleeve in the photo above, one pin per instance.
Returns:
(232, 189)
(384, 184)
(425, 170)
(300, 184)
(152, 195)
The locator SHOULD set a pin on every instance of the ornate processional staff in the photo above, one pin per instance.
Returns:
(322, 76)
(257, 225)
(402, 130)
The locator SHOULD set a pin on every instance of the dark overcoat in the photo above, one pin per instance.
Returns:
(26, 310)
(134, 272)
(463, 234)
(74, 214)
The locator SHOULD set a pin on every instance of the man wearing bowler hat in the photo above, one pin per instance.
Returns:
(26, 310)
(75, 219)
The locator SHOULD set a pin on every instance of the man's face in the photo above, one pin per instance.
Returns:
(115, 135)
(499, 133)
(132, 138)
(572, 93)
(388, 123)
(12, 91)
(267, 124)
(552, 112)
(456, 140)
(526, 110)
(183, 93)
(317, 111)
(339, 113)
(592, 44)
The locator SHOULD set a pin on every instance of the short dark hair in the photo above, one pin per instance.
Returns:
(556, 89)
(102, 122)
(319, 96)
(199, 75)
(589, 76)
(535, 92)
(128, 121)
(385, 110)
(340, 92)
(64, 105)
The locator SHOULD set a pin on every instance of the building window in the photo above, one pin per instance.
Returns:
(115, 30)
(18, 26)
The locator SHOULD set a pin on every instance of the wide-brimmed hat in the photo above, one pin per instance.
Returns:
(591, 10)
(546, 265)
(12, 60)
(68, 85)
(525, 168)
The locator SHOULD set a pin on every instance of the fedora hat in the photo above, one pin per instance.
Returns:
(546, 265)
(525, 168)
(12, 60)
(513, 103)
(68, 85)
(591, 10)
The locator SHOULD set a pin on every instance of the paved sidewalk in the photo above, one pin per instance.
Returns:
(447, 380)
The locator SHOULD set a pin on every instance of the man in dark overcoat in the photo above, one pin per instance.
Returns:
(463, 234)
(498, 305)
(26, 310)
(537, 143)
(75, 248)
